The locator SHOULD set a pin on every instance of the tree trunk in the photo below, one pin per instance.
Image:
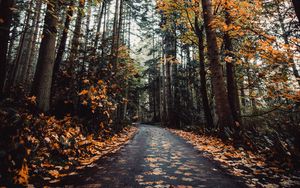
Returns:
(105, 26)
(114, 37)
(43, 76)
(117, 45)
(296, 4)
(76, 36)
(5, 23)
(203, 85)
(163, 96)
(101, 12)
(170, 57)
(31, 45)
(34, 44)
(24, 51)
(63, 41)
(221, 98)
(232, 89)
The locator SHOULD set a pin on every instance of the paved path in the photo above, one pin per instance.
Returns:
(154, 158)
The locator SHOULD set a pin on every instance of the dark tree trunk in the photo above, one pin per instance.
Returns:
(5, 23)
(203, 85)
(232, 89)
(76, 37)
(31, 45)
(176, 97)
(163, 95)
(34, 44)
(23, 51)
(43, 76)
(114, 37)
(296, 4)
(62, 48)
(105, 25)
(170, 42)
(117, 45)
(63, 41)
(101, 12)
(223, 111)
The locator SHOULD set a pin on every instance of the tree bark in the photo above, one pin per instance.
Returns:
(203, 85)
(114, 37)
(223, 111)
(76, 36)
(170, 47)
(5, 24)
(117, 45)
(233, 95)
(296, 4)
(63, 41)
(43, 75)
(34, 44)
(101, 12)
(31, 46)
(22, 56)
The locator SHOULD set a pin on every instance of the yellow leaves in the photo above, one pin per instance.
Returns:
(84, 103)
(101, 125)
(106, 113)
(102, 96)
(125, 101)
(83, 92)
(228, 59)
(236, 160)
(100, 82)
(22, 176)
(93, 89)
(32, 99)
(86, 81)
(46, 165)
(81, 1)
(253, 94)
(54, 173)
(260, 163)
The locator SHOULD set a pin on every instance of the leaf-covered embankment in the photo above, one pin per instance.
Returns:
(43, 149)
(254, 168)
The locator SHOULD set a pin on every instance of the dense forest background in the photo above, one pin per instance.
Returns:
(82, 70)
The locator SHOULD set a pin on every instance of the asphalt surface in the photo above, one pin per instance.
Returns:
(154, 158)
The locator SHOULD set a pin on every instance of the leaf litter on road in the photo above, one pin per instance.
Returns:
(253, 168)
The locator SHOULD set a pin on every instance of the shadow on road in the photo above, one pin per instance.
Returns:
(154, 158)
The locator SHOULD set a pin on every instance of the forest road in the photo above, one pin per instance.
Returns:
(154, 158)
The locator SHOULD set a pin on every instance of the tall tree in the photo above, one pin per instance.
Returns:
(100, 16)
(5, 24)
(115, 35)
(34, 44)
(232, 89)
(203, 85)
(20, 67)
(43, 76)
(223, 111)
(170, 51)
(77, 34)
(64, 37)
